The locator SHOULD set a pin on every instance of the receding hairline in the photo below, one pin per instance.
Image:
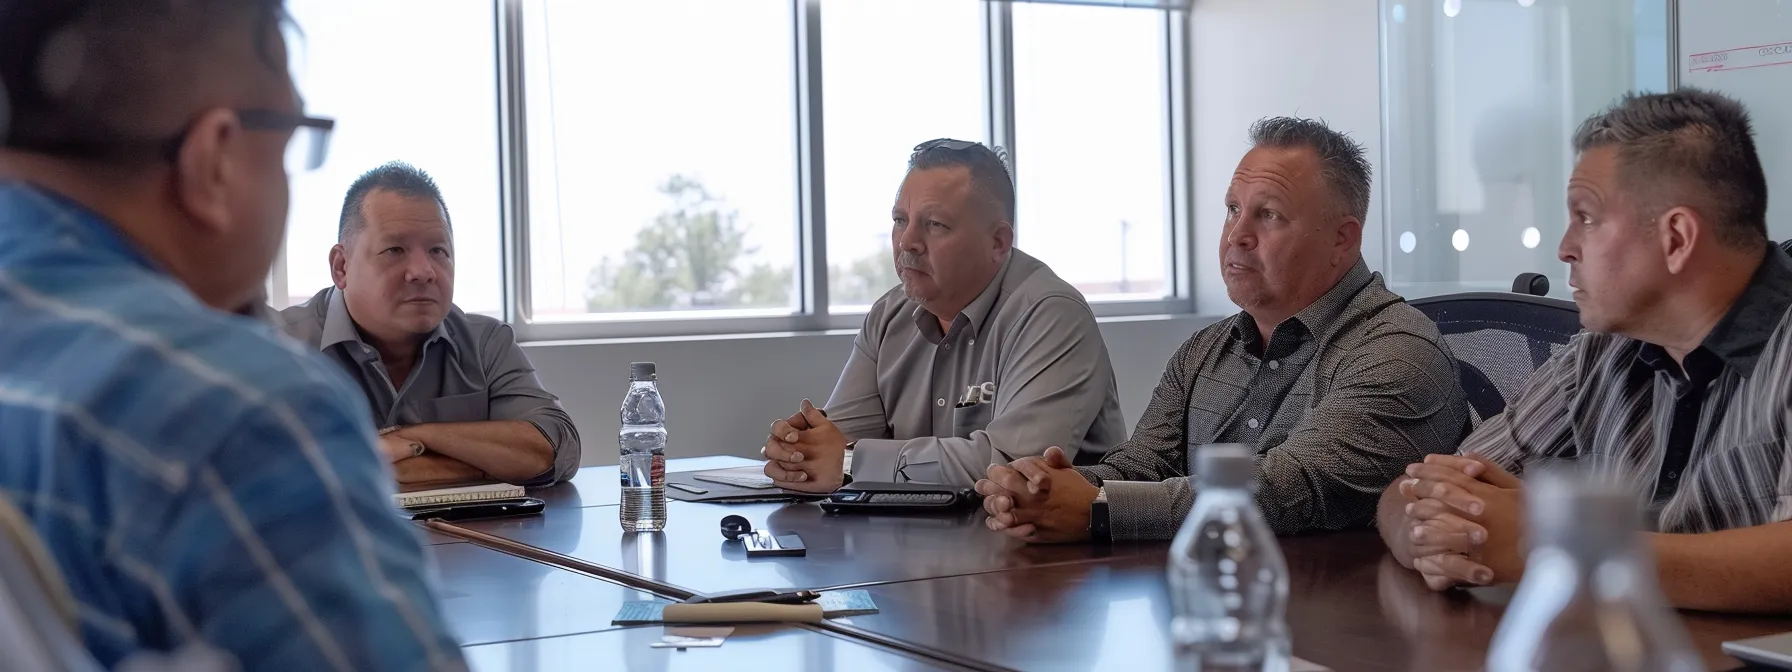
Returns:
(1315, 170)
(991, 205)
(362, 219)
(1689, 148)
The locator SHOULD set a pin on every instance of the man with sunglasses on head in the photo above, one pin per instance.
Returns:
(981, 356)
(201, 482)
(454, 395)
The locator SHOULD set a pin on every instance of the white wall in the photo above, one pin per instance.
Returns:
(722, 393)
(1251, 59)
(1261, 58)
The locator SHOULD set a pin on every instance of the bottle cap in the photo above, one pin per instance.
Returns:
(1226, 465)
(640, 371)
(1582, 516)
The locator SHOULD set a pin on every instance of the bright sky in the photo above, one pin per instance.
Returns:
(622, 95)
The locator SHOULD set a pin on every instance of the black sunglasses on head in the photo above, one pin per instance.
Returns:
(948, 144)
(951, 145)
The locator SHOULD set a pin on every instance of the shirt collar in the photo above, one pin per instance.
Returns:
(974, 316)
(1740, 336)
(1702, 365)
(1318, 315)
(339, 326)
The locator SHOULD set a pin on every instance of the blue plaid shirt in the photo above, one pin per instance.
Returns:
(195, 475)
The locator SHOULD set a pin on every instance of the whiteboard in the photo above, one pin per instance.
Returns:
(1743, 48)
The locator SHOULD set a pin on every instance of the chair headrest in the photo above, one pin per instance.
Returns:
(19, 532)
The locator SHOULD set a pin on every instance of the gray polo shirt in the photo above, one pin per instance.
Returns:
(470, 370)
(1028, 345)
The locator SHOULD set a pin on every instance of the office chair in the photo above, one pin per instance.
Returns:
(1500, 338)
(38, 618)
(37, 614)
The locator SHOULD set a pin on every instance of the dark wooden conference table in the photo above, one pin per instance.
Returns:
(538, 593)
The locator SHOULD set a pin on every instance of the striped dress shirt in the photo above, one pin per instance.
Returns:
(1704, 447)
(1346, 393)
(196, 476)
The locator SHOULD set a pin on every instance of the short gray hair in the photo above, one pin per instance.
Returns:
(1690, 137)
(990, 178)
(397, 177)
(1342, 163)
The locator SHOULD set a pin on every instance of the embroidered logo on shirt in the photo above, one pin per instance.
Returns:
(978, 394)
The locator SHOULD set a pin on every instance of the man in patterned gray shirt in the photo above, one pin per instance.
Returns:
(1679, 387)
(1335, 381)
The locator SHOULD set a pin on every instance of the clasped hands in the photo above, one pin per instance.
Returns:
(1039, 500)
(806, 452)
(1463, 523)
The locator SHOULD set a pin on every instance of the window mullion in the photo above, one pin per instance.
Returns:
(998, 84)
(811, 207)
(1180, 234)
(513, 163)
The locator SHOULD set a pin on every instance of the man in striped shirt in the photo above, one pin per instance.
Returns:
(1680, 386)
(200, 480)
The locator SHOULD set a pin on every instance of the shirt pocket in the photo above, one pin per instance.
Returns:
(967, 419)
(475, 407)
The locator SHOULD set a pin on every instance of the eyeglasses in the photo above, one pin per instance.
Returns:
(306, 151)
(310, 143)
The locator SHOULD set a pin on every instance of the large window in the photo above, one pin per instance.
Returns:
(720, 166)
(661, 160)
(410, 80)
(882, 95)
(1485, 96)
(1092, 144)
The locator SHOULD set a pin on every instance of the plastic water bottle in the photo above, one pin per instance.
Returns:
(1590, 598)
(1228, 581)
(643, 462)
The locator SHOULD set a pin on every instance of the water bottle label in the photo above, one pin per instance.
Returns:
(635, 474)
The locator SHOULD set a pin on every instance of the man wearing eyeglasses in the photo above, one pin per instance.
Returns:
(201, 482)
(454, 395)
(982, 355)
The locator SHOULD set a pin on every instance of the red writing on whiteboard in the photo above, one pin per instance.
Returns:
(1741, 58)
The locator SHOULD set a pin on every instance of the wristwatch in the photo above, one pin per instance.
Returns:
(1099, 530)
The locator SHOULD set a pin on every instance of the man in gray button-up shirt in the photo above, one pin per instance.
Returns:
(1334, 381)
(982, 355)
(456, 397)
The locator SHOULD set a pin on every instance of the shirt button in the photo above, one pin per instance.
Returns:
(940, 402)
(948, 346)
(973, 341)
(1273, 365)
(1252, 423)
(1673, 475)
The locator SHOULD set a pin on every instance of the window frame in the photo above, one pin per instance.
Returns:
(813, 310)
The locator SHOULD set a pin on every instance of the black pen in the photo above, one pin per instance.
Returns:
(797, 597)
(763, 597)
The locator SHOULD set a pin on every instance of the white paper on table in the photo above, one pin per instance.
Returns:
(693, 637)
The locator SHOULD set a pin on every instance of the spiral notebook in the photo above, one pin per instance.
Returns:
(457, 495)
